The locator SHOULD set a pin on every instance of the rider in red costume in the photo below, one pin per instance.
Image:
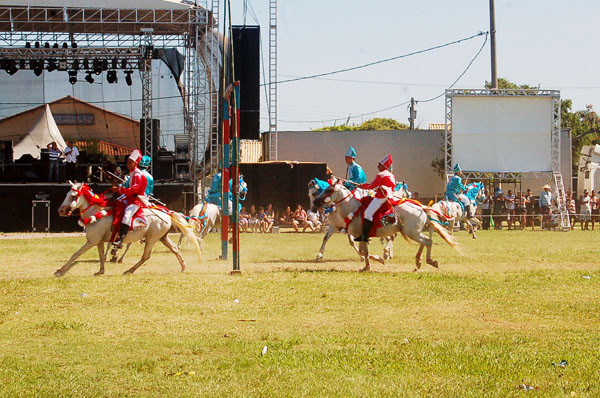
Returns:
(132, 194)
(383, 184)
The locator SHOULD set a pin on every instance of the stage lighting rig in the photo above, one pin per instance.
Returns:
(62, 65)
(51, 65)
(73, 77)
(128, 77)
(89, 77)
(75, 65)
(111, 76)
(38, 67)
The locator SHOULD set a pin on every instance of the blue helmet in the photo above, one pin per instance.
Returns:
(146, 160)
(457, 168)
(351, 152)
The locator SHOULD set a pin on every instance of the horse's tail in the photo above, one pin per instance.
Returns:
(187, 230)
(441, 231)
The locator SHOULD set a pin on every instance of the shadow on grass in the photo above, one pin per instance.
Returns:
(309, 261)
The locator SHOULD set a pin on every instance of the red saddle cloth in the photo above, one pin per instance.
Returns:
(385, 209)
(118, 213)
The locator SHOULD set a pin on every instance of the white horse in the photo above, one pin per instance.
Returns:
(98, 220)
(388, 242)
(412, 218)
(447, 212)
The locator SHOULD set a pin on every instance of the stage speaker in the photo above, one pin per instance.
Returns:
(155, 141)
(6, 152)
(246, 55)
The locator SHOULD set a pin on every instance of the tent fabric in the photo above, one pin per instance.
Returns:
(43, 133)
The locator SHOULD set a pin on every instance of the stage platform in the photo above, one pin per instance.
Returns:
(17, 204)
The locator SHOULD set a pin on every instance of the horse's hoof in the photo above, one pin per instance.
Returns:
(120, 261)
(366, 269)
(99, 273)
(434, 263)
(128, 272)
(113, 260)
(474, 236)
(415, 270)
(58, 273)
(319, 257)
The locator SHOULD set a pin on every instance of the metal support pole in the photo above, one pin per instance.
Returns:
(235, 175)
(413, 114)
(225, 181)
(493, 44)
(146, 76)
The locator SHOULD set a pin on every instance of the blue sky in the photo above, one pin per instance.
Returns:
(546, 42)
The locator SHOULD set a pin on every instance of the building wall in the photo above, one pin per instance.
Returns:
(412, 152)
(107, 126)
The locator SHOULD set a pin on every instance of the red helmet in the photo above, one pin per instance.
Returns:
(386, 161)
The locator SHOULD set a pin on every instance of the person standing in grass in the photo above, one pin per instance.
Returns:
(530, 206)
(509, 204)
(485, 210)
(585, 210)
(571, 209)
(595, 205)
(545, 204)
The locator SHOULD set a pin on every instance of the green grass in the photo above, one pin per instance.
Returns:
(489, 320)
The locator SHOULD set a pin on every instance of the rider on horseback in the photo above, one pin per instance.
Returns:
(134, 194)
(455, 191)
(354, 172)
(143, 166)
(383, 184)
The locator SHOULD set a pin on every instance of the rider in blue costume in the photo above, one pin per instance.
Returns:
(455, 189)
(214, 195)
(143, 166)
(354, 172)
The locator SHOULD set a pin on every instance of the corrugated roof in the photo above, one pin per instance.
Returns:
(437, 126)
(106, 148)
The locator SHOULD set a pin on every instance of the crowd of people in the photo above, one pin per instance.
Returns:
(264, 219)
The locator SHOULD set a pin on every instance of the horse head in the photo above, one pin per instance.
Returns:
(331, 193)
(243, 188)
(73, 200)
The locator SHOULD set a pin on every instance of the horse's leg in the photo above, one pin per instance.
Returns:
(145, 257)
(102, 256)
(65, 268)
(418, 258)
(330, 231)
(124, 253)
(356, 249)
(451, 226)
(388, 249)
(171, 245)
(364, 249)
(429, 244)
(180, 241)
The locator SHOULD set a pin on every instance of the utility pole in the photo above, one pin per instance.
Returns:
(493, 44)
(413, 114)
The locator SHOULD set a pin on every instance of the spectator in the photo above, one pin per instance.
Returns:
(571, 209)
(545, 203)
(71, 161)
(244, 217)
(498, 208)
(530, 206)
(585, 210)
(485, 210)
(53, 166)
(521, 203)
(253, 222)
(595, 205)
(286, 217)
(509, 204)
(269, 219)
(312, 221)
(261, 217)
(298, 218)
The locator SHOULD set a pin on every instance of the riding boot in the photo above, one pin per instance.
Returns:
(366, 229)
(119, 242)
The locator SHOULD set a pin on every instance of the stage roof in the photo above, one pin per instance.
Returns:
(129, 17)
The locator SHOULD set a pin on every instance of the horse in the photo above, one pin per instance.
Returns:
(96, 214)
(446, 212)
(411, 219)
(205, 216)
(315, 186)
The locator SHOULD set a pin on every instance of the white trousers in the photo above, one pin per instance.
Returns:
(129, 212)
(373, 207)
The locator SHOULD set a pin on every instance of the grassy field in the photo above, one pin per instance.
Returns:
(488, 323)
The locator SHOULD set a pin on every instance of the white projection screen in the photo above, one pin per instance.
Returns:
(502, 134)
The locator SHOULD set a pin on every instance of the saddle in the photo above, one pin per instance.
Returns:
(385, 215)
(137, 221)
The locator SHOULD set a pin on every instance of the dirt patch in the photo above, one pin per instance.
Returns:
(38, 235)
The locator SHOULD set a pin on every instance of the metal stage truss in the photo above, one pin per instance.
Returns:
(73, 38)
(552, 174)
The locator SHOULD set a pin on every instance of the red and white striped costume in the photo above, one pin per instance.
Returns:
(383, 184)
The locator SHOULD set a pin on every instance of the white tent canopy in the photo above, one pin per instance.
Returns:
(43, 133)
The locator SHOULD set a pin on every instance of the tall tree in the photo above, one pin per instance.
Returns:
(371, 124)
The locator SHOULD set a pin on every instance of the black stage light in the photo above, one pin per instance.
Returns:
(37, 44)
(86, 64)
(62, 64)
(128, 77)
(111, 76)
(55, 45)
(104, 64)
(22, 64)
(73, 77)
(124, 63)
(89, 77)
(11, 67)
(39, 67)
(75, 65)
(97, 66)
(51, 65)
(115, 63)
(65, 45)
(73, 45)
(28, 45)
(46, 45)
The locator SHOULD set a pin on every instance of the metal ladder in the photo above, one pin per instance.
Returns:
(272, 155)
(561, 201)
(215, 109)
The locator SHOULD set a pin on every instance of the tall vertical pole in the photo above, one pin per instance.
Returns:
(493, 44)
(225, 181)
(235, 175)
(413, 114)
